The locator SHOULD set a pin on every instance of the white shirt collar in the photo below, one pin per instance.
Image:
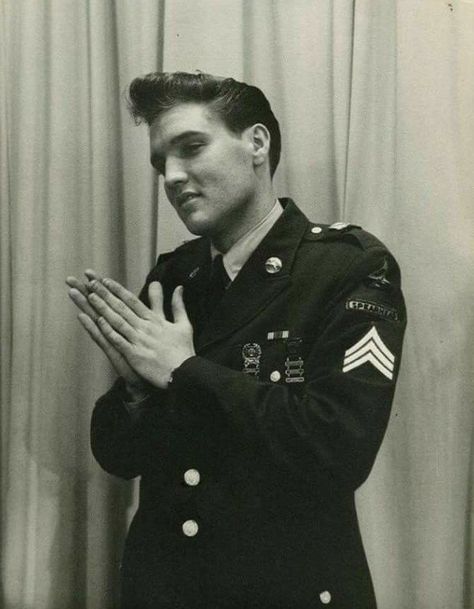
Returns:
(242, 249)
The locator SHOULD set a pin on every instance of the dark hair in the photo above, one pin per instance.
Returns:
(239, 105)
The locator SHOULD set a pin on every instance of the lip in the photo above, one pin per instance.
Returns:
(188, 195)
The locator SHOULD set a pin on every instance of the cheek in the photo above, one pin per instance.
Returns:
(235, 171)
(223, 170)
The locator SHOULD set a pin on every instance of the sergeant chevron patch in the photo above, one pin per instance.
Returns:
(370, 348)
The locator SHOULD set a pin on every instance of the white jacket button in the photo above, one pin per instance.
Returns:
(325, 597)
(192, 477)
(190, 528)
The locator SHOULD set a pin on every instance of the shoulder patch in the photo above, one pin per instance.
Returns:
(372, 308)
(378, 277)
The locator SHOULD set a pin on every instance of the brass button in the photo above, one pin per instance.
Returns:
(275, 376)
(316, 230)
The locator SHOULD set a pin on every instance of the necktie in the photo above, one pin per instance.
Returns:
(218, 282)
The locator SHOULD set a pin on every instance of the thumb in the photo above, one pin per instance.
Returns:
(155, 294)
(177, 306)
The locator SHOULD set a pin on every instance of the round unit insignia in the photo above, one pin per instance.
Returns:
(273, 265)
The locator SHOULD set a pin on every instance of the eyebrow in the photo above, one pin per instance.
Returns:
(177, 139)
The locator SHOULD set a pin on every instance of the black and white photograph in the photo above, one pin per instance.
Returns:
(237, 304)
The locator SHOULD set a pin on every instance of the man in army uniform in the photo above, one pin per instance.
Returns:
(256, 372)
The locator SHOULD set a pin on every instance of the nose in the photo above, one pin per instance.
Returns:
(175, 173)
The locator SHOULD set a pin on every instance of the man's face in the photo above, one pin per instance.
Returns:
(208, 170)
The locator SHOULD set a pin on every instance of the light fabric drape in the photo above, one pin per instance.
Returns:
(376, 105)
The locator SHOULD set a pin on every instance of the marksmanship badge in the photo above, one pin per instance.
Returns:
(251, 354)
(294, 364)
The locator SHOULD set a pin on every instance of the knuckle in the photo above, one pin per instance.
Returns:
(120, 306)
(125, 349)
(122, 325)
(104, 326)
(97, 302)
(148, 316)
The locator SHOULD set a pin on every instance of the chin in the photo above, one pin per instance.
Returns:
(197, 225)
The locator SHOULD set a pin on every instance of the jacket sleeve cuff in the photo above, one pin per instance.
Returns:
(135, 409)
(195, 374)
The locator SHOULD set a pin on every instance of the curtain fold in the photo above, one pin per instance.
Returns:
(413, 83)
(77, 197)
(375, 100)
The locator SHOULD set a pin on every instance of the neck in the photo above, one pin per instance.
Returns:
(251, 215)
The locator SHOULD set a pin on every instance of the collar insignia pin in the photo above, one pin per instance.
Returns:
(339, 225)
(273, 265)
(194, 272)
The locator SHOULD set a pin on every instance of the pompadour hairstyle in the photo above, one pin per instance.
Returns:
(237, 104)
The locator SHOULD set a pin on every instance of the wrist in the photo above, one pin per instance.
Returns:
(135, 393)
(173, 370)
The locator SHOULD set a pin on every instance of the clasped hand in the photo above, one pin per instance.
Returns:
(142, 345)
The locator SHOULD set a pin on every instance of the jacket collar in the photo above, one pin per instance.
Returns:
(235, 258)
(254, 287)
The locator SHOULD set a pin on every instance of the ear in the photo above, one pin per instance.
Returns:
(260, 142)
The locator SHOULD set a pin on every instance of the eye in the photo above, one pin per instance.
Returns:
(192, 148)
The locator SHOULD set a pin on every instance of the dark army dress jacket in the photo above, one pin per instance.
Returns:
(250, 458)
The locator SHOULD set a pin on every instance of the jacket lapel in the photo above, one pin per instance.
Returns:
(194, 278)
(254, 287)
